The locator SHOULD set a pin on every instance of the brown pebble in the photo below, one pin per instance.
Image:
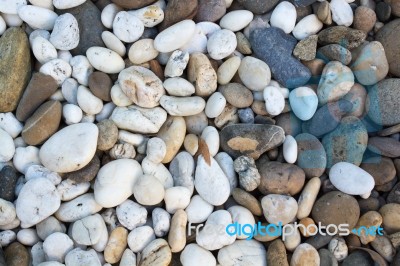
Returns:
(108, 134)
(247, 200)
(276, 254)
(87, 173)
(364, 19)
(391, 217)
(210, 10)
(16, 255)
(178, 10)
(237, 95)
(100, 85)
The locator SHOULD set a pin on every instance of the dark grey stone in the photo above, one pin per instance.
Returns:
(246, 115)
(274, 47)
(8, 181)
(259, 6)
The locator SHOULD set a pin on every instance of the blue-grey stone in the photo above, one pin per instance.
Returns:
(274, 47)
(246, 115)
(311, 156)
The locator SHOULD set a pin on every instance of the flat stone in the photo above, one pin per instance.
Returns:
(347, 37)
(250, 140)
(8, 181)
(306, 49)
(264, 43)
(40, 88)
(43, 123)
(380, 168)
(237, 95)
(383, 102)
(311, 155)
(347, 143)
(384, 146)
(335, 52)
(276, 254)
(15, 67)
(100, 85)
(90, 26)
(86, 174)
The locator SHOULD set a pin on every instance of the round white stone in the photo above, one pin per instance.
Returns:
(198, 210)
(215, 105)
(27, 237)
(88, 231)
(108, 14)
(274, 100)
(148, 190)
(175, 36)
(140, 237)
(38, 171)
(342, 13)
(89, 103)
(351, 179)
(78, 256)
(105, 60)
(56, 246)
(65, 4)
(176, 198)
(156, 150)
(12, 20)
(131, 215)
(25, 157)
(182, 106)
(113, 43)
(127, 27)
(211, 137)
(48, 226)
(7, 147)
(284, 16)
(176, 64)
(194, 255)
(7, 212)
(69, 190)
(279, 208)
(241, 215)
(115, 181)
(142, 51)
(307, 26)
(118, 97)
(43, 50)
(71, 148)
(69, 90)
(221, 44)
(290, 149)
(178, 87)
(196, 44)
(254, 73)
(65, 34)
(37, 17)
(78, 208)
(58, 69)
(37, 200)
(236, 20)
(72, 114)
(7, 237)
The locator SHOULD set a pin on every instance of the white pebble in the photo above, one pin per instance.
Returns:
(38, 171)
(69, 90)
(78, 256)
(194, 255)
(65, 34)
(25, 157)
(127, 27)
(198, 210)
(11, 6)
(211, 137)
(342, 13)
(78, 208)
(221, 44)
(7, 237)
(307, 26)
(161, 221)
(215, 105)
(38, 17)
(182, 106)
(7, 146)
(69, 190)
(178, 87)
(27, 237)
(3, 25)
(274, 100)
(89, 103)
(108, 14)
(284, 16)
(150, 15)
(131, 215)
(118, 97)
(148, 190)
(10, 124)
(142, 51)
(290, 149)
(81, 69)
(7, 212)
(105, 60)
(197, 44)
(72, 114)
(254, 73)
(176, 64)
(65, 4)
(12, 20)
(236, 20)
(48, 226)
(140, 237)
(174, 36)
(176, 198)
(337, 246)
(43, 50)
(58, 69)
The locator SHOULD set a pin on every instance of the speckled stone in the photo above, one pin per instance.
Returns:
(348, 37)
(8, 181)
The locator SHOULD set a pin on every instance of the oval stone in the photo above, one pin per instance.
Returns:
(175, 36)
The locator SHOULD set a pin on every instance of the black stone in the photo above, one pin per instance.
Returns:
(383, 11)
(358, 258)
(90, 26)
(8, 181)
(275, 47)
(319, 241)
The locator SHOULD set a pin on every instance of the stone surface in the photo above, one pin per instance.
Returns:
(384, 146)
(264, 41)
(177, 11)
(43, 123)
(311, 155)
(108, 135)
(391, 44)
(201, 74)
(250, 140)
(87, 173)
(306, 49)
(116, 245)
(15, 67)
(16, 255)
(334, 52)
(258, 6)
(210, 10)
(276, 254)
(245, 251)
(100, 85)
(40, 88)
(8, 181)
(380, 168)
(237, 95)
(305, 254)
(348, 37)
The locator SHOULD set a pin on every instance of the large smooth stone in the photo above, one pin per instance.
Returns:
(347, 143)
(311, 155)
(388, 35)
(70, 149)
(383, 102)
(250, 140)
(15, 67)
(259, 6)
(351, 179)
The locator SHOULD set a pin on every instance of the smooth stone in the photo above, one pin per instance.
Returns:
(107, 180)
(195, 255)
(338, 248)
(263, 42)
(177, 11)
(284, 17)
(173, 134)
(128, 258)
(8, 182)
(337, 80)
(276, 254)
(183, 106)
(25, 157)
(150, 15)
(305, 254)
(384, 146)
(78, 208)
(15, 68)
(142, 51)
(198, 210)
(156, 150)
(141, 85)
(236, 20)
(329, 209)
(215, 105)
(37, 200)
(228, 69)
(148, 190)
(16, 255)
(8, 147)
(157, 252)
(113, 43)
(324, 13)
(177, 233)
(140, 237)
(391, 45)
(307, 197)
(243, 251)
(371, 66)
(37, 17)
(8, 212)
(279, 208)
(304, 102)
(81, 69)
(280, 178)
(131, 215)
(347, 143)
(328, 117)
(254, 73)
(7, 237)
(201, 74)
(210, 10)
(334, 52)
(43, 50)
(116, 245)
(306, 49)
(290, 124)
(341, 34)
(182, 170)
(133, 5)
(108, 135)
(79, 142)
(78, 256)
(11, 7)
(38, 171)
(342, 13)
(127, 27)
(40, 88)
(236, 94)
(380, 168)
(10, 124)
(100, 85)
(140, 120)
(166, 40)
(58, 69)
(307, 26)
(221, 44)
(350, 182)
(390, 213)
(178, 86)
(311, 155)
(97, 57)
(65, 35)
(364, 18)
(250, 140)
(290, 149)
(90, 26)
(63, 243)
(176, 64)
(88, 230)
(243, 44)
(247, 200)
(63, 4)
(43, 123)
(274, 100)
(381, 104)
(357, 96)
(161, 221)
(258, 7)
(86, 174)
(327, 258)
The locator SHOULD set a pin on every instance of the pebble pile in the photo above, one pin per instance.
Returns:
(124, 123)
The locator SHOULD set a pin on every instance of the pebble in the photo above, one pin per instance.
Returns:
(254, 73)
(8, 147)
(183, 106)
(108, 14)
(284, 17)
(236, 20)
(178, 87)
(245, 251)
(274, 100)
(337, 246)
(113, 43)
(69, 190)
(249, 177)
(69, 89)
(226, 164)
(191, 144)
(89, 103)
(140, 120)
(38, 171)
(81, 69)
(127, 27)
(10, 124)
(276, 253)
(140, 237)
(243, 44)
(97, 57)
(304, 102)
(37, 200)
(65, 34)
(161, 221)
(72, 114)
(43, 50)
(364, 18)
(201, 74)
(290, 149)
(87, 173)
(380, 111)
(258, 7)
(88, 230)
(384, 247)
(328, 209)
(63, 245)
(100, 85)
(390, 44)
(354, 175)
(57, 69)
(279, 208)
(157, 252)
(368, 220)
(8, 181)
(150, 15)
(11, 7)
(198, 210)
(37, 17)
(116, 245)
(390, 213)
(176, 64)
(15, 67)
(177, 233)
(7, 237)
(305, 254)
(340, 34)
(306, 49)
(148, 190)
(25, 157)
(324, 13)
(215, 105)
(221, 44)
(8, 212)
(177, 11)
(247, 200)
(327, 258)
(342, 13)
(307, 26)
(307, 197)
(173, 134)
(69, 211)
(263, 42)
(195, 255)
(166, 40)
(335, 52)
(380, 168)
(210, 10)
(357, 96)
(246, 116)
(228, 69)
(16, 255)
(78, 256)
